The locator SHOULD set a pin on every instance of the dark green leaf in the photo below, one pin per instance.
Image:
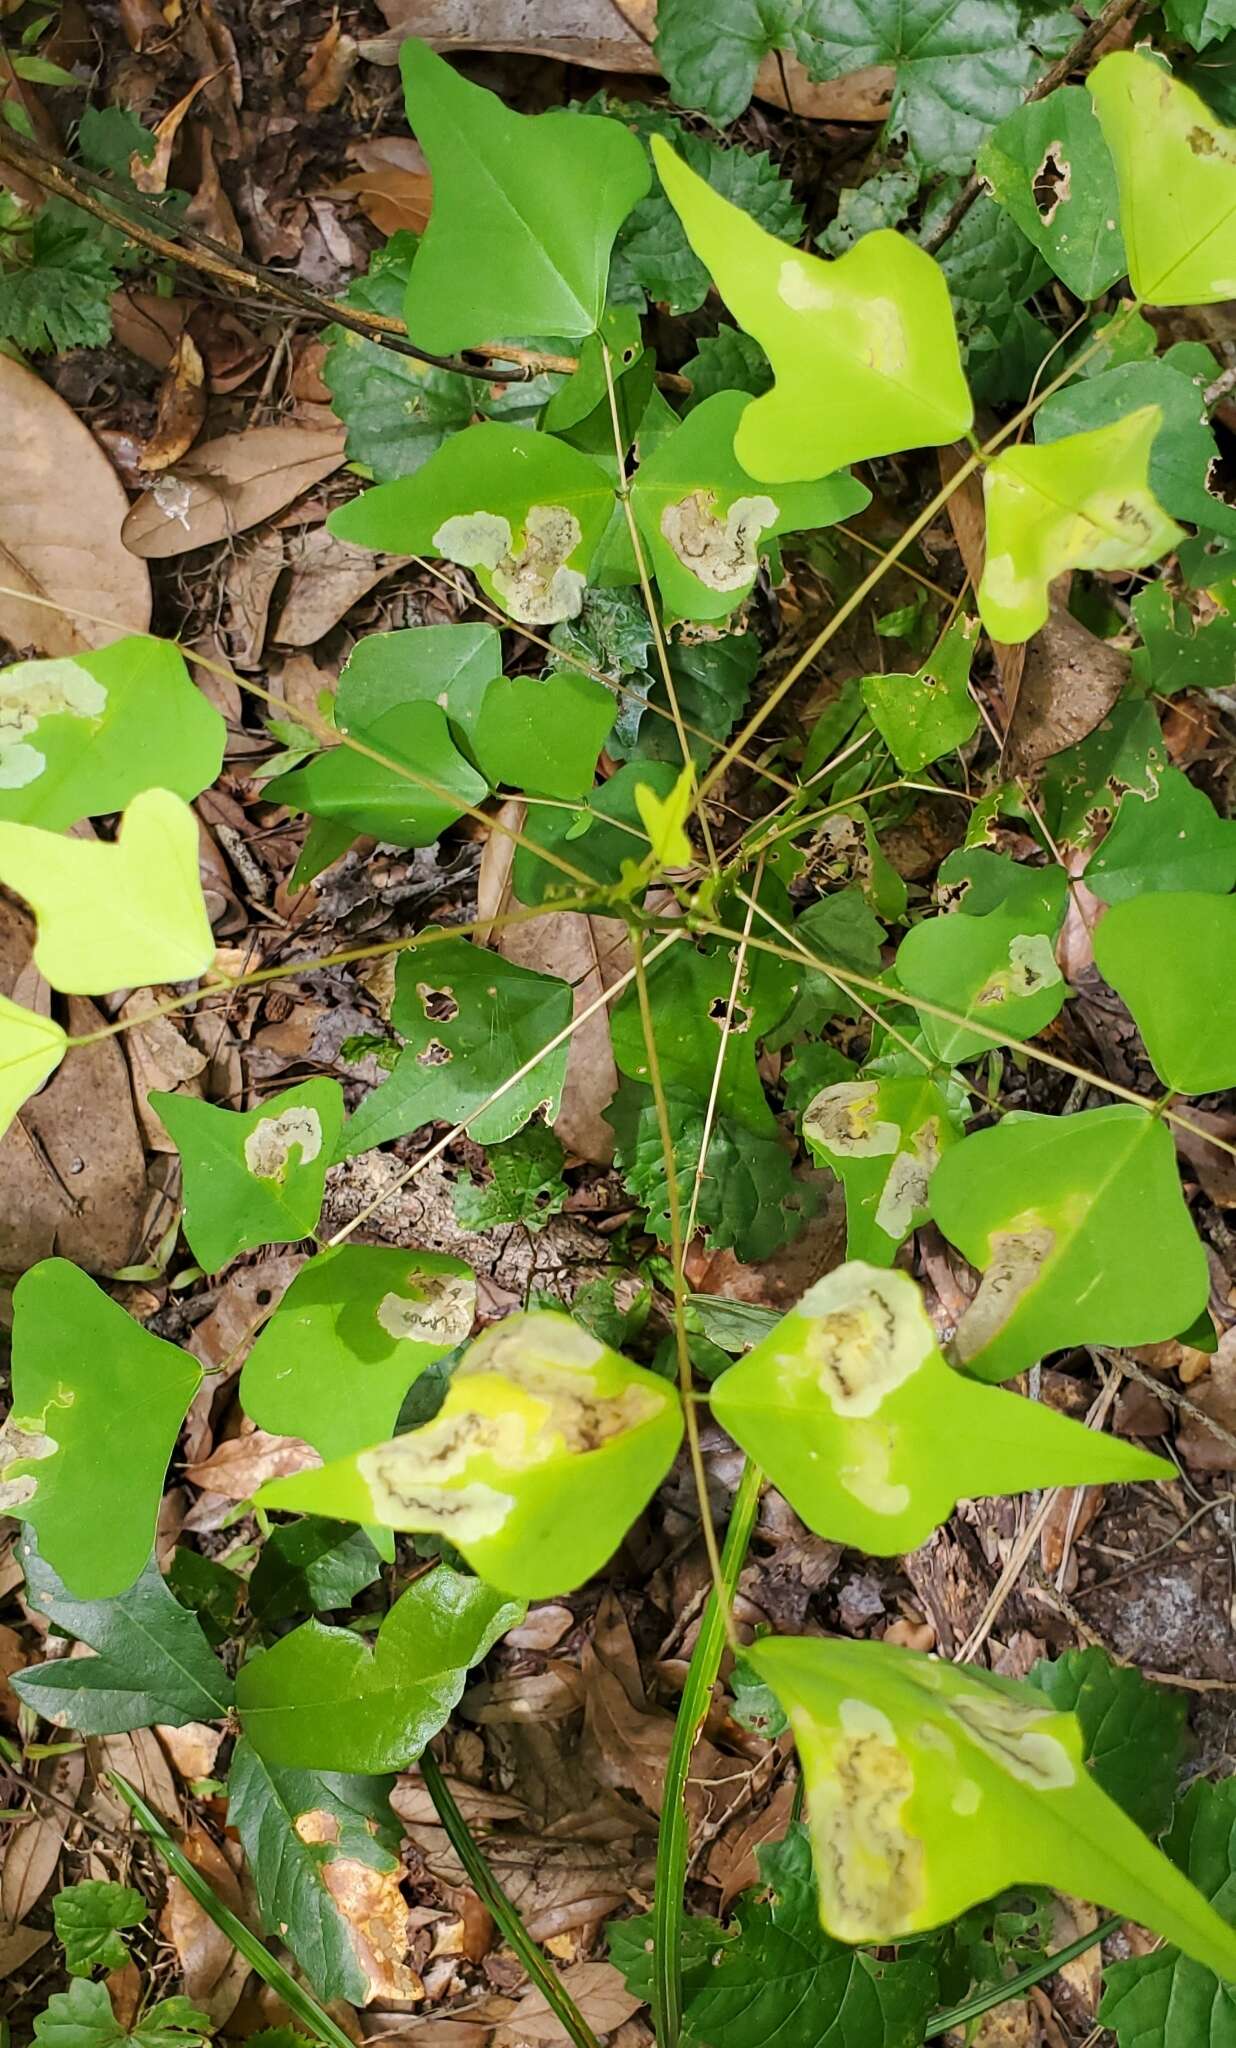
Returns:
(60, 298)
(1135, 1732)
(208, 1589)
(293, 1824)
(153, 1664)
(109, 137)
(749, 1197)
(1165, 2000)
(1173, 839)
(1083, 785)
(1186, 646)
(82, 2017)
(88, 1919)
(1050, 168)
(1200, 22)
(526, 1187)
(598, 838)
(881, 201)
(726, 361)
(311, 1565)
(710, 56)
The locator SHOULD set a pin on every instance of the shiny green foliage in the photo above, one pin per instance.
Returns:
(1171, 958)
(253, 1177)
(1168, 1998)
(82, 2017)
(992, 962)
(882, 1135)
(922, 716)
(1174, 165)
(1172, 839)
(1051, 170)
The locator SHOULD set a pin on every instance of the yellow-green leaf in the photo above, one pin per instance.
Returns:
(664, 820)
(120, 914)
(31, 1048)
(545, 1449)
(1083, 502)
(1176, 170)
(863, 350)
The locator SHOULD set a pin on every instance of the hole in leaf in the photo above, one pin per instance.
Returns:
(1052, 182)
(438, 1004)
(435, 1054)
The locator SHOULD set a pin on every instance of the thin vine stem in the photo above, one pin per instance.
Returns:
(299, 2001)
(505, 1915)
(673, 1847)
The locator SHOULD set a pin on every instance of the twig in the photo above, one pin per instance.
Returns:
(505, 1915)
(1086, 43)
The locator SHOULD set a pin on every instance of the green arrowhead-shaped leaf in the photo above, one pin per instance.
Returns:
(293, 1826)
(1184, 454)
(992, 961)
(356, 1327)
(1083, 786)
(1135, 1732)
(1050, 168)
(81, 735)
(152, 1662)
(853, 1413)
(31, 1048)
(547, 1446)
(253, 1177)
(705, 519)
(525, 511)
(874, 329)
(1080, 1230)
(1168, 1999)
(323, 1700)
(922, 716)
(882, 1136)
(469, 1019)
(1083, 502)
(1173, 839)
(114, 915)
(930, 1787)
(597, 838)
(1172, 959)
(525, 210)
(97, 1406)
(88, 1919)
(1176, 169)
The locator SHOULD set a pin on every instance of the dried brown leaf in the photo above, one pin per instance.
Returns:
(213, 1973)
(33, 1851)
(375, 1910)
(228, 485)
(182, 407)
(18, 1944)
(597, 1989)
(150, 175)
(328, 68)
(62, 507)
(192, 1748)
(240, 1466)
(392, 187)
(327, 578)
(1070, 681)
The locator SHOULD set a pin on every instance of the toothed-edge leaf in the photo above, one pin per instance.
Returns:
(710, 57)
(97, 1407)
(883, 1137)
(1080, 1230)
(853, 1413)
(470, 1020)
(1135, 1732)
(1083, 502)
(88, 1918)
(1167, 1999)
(749, 1197)
(959, 68)
(1050, 168)
(31, 1048)
(305, 1835)
(1172, 960)
(978, 1784)
(922, 716)
(526, 1184)
(705, 521)
(526, 512)
(81, 735)
(253, 1177)
(323, 1700)
(152, 1663)
(1171, 840)
(1200, 22)
(545, 1450)
(356, 1327)
(524, 216)
(874, 329)
(997, 968)
(1176, 170)
(82, 2017)
(119, 915)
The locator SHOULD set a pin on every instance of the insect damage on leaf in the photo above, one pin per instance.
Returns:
(866, 1337)
(439, 1308)
(374, 1908)
(846, 1118)
(22, 1442)
(533, 582)
(269, 1146)
(1017, 1258)
(722, 555)
(1032, 967)
(33, 690)
(869, 1865)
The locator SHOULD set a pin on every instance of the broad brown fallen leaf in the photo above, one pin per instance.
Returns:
(610, 35)
(18, 1944)
(244, 1463)
(192, 1748)
(392, 187)
(160, 1057)
(249, 586)
(149, 326)
(210, 208)
(229, 484)
(182, 407)
(213, 1973)
(1069, 683)
(597, 1989)
(30, 1860)
(327, 577)
(137, 1757)
(62, 507)
(151, 176)
(13, 1657)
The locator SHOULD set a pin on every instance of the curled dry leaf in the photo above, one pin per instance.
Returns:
(611, 35)
(77, 563)
(597, 1989)
(182, 407)
(327, 578)
(148, 326)
(328, 68)
(392, 187)
(151, 176)
(17, 1945)
(192, 1748)
(228, 485)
